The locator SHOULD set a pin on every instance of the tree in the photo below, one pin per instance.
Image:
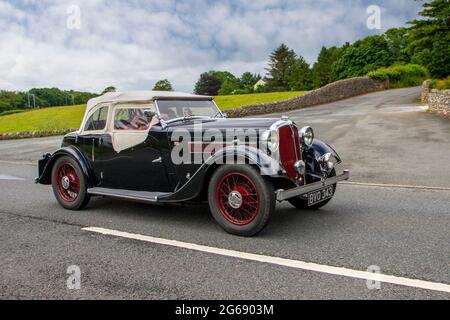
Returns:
(430, 38)
(228, 87)
(109, 89)
(322, 71)
(248, 80)
(398, 41)
(223, 76)
(299, 77)
(78, 97)
(163, 85)
(10, 100)
(47, 97)
(226, 82)
(229, 83)
(281, 62)
(208, 85)
(362, 57)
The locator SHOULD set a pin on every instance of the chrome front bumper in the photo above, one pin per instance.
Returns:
(295, 192)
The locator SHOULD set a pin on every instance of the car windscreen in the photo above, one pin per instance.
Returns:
(173, 109)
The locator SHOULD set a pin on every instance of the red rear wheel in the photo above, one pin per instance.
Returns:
(69, 184)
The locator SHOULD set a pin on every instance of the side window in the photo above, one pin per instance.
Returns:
(131, 119)
(97, 121)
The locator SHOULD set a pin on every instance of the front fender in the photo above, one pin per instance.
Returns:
(245, 154)
(238, 154)
(320, 148)
(45, 165)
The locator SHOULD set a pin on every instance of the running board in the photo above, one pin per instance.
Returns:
(142, 196)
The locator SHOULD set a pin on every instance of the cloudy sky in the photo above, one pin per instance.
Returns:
(131, 44)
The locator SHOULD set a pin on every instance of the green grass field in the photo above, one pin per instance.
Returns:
(235, 101)
(69, 117)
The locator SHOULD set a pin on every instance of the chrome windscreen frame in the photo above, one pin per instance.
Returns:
(165, 123)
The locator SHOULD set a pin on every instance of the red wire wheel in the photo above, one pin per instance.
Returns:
(67, 182)
(237, 198)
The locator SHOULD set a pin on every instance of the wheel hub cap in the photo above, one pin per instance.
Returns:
(235, 200)
(65, 182)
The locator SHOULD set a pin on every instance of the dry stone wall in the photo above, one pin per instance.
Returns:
(333, 92)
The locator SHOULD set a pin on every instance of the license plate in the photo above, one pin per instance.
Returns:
(317, 196)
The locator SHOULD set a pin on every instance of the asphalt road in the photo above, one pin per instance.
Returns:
(383, 138)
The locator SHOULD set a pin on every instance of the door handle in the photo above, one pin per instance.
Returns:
(157, 160)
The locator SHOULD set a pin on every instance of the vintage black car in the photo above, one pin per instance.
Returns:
(165, 147)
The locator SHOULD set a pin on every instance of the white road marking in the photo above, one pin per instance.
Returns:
(383, 185)
(19, 163)
(435, 286)
(8, 177)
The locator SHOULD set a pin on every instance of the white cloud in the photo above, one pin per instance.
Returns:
(133, 44)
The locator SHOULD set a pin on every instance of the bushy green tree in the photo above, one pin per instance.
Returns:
(430, 38)
(228, 87)
(216, 83)
(47, 97)
(163, 85)
(229, 82)
(208, 84)
(224, 76)
(362, 57)
(10, 100)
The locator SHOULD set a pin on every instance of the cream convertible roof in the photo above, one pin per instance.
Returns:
(141, 96)
(131, 96)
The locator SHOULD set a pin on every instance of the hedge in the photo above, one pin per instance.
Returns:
(400, 76)
(443, 84)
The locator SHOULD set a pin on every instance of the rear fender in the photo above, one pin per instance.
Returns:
(45, 165)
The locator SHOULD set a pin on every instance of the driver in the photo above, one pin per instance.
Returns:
(168, 114)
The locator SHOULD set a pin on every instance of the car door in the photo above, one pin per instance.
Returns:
(88, 141)
(130, 153)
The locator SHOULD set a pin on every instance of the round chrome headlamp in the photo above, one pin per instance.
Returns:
(272, 140)
(307, 136)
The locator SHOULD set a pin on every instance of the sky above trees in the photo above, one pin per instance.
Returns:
(132, 44)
